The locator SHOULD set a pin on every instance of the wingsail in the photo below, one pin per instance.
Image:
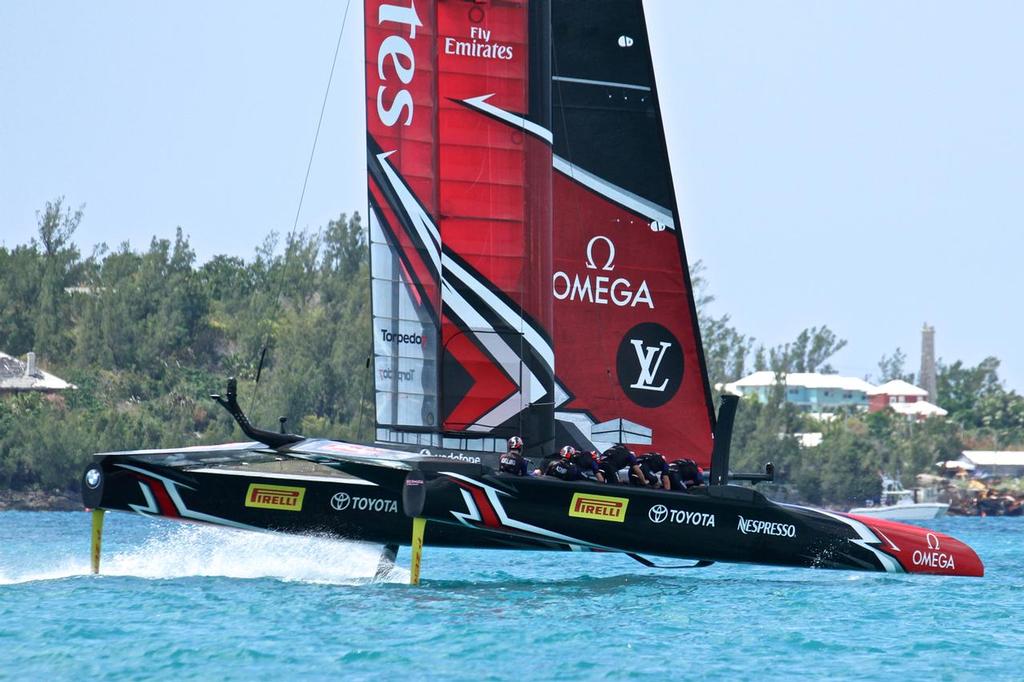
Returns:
(405, 246)
(458, 109)
(523, 226)
(629, 360)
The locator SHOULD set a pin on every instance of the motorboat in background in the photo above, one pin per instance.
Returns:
(899, 504)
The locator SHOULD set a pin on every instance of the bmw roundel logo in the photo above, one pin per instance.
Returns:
(341, 501)
(658, 513)
(92, 478)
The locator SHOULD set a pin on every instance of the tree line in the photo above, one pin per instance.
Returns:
(856, 447)
(147, 335)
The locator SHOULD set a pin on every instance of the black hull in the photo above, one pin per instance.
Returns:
(468, 506)
(331, 506)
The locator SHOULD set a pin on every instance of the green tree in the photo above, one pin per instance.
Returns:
(57, 225)
(977, 400)
(20, 281)
(892, 367)
(809, 352)
(725, 349)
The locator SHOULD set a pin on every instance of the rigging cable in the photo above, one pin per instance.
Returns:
(302, 195)
(323, 107)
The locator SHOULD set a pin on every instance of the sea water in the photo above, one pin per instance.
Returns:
(177, 601)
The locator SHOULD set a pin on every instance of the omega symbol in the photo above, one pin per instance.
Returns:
(609, 264)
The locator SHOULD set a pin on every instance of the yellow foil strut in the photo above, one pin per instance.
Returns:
(97, 538)
(418, 525)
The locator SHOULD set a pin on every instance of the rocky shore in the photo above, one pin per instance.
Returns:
(40, 500)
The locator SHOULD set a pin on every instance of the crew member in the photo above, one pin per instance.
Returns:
(617, 457)
(656, 472)
(565, 467)
(686, 474)
(513, 462)
(588, 464)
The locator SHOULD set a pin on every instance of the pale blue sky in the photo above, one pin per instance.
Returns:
(852, 164)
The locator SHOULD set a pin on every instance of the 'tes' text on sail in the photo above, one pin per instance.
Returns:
(398, 52)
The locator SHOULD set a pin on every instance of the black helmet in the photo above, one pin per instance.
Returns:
(515, 443)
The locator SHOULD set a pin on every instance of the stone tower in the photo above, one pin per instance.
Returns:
(926, 379)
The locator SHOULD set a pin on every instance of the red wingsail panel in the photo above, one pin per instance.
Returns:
(627, 342)
(405, 251)
(495, 175)
(460, 175)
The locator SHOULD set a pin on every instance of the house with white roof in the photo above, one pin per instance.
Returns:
(991, 462)
(810, 391)
(903, 398)
(17, 376)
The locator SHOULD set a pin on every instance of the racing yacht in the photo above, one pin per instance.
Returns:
(528, 278)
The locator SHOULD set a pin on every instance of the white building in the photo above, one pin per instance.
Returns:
(17, 376)
(903, 398)
(810, 391)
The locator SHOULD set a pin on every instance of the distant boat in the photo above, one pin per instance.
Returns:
(897, 504)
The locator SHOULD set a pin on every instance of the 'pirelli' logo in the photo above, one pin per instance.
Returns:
(599, 507)
(283, 497)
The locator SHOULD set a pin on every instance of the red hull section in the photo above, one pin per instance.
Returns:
(919, 550)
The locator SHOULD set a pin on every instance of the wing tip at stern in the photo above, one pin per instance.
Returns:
(922, 550)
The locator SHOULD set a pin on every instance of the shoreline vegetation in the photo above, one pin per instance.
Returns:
(147, 335)
(40, 500)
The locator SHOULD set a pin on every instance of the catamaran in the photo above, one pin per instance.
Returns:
(528, 279)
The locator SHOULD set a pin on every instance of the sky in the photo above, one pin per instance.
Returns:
(850, 164)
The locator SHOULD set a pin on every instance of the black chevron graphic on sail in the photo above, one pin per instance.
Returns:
(641, 379)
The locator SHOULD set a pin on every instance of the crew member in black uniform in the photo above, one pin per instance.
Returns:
(565, 467)
(574, 465)
(513, 462)
(656, 472)
(684, 473)
(616, 457)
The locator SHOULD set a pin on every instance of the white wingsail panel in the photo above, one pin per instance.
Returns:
(404, 341)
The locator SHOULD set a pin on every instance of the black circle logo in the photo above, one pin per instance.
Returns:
(649, 364)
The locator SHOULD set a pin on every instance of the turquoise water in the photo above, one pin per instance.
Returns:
(190, 602)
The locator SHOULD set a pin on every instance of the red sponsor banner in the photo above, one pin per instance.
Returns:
(623, 326)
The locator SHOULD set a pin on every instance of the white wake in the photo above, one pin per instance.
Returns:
(188, 550)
